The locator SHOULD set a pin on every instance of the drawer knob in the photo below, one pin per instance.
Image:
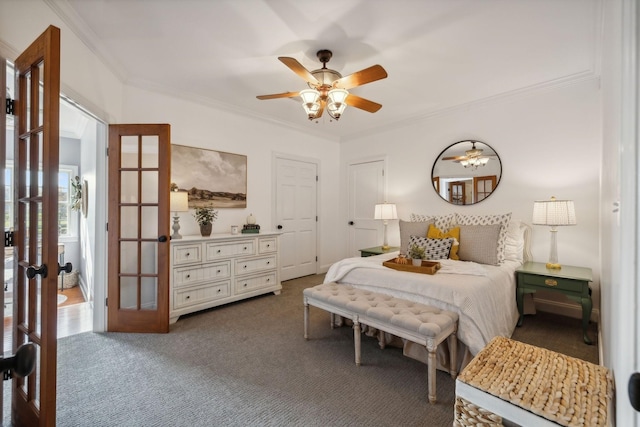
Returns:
(219, 290)
(245, 248)
(188, 255)
(188, 276)
(551, 282)
(268, 280)
(268, 246)
(188, 296)
(218, 251)
(218, 271)
(244, 266)
(245, 285)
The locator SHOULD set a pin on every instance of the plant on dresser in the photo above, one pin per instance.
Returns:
(211, 271)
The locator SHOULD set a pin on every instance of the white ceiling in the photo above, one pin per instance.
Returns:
(439, 54)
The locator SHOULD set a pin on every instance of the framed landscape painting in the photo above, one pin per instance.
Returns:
(211, 178)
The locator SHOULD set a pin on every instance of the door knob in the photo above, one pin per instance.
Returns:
(162, 239)
(634, 390)
(350, 222)
(66, 268)
(33, 270)
(279, 227)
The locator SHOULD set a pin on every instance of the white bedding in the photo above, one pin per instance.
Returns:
(482, 295)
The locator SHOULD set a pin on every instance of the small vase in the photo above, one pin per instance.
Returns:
(417, 262)
(205, 230)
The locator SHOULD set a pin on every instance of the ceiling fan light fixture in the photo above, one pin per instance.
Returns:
(336, 102)
(310, 102)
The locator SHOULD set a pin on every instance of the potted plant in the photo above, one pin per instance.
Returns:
(416, 253)
(204, 217)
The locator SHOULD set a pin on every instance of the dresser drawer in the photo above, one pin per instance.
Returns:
(556, 283)
(267, 245)
(200, 294)
(253, 265)
(185, 276)
(217, 250)
(248, 284)
(187, 254)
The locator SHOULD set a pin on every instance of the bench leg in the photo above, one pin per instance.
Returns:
(453, 355)
(431, 367)
(306, 320)
(356, 339)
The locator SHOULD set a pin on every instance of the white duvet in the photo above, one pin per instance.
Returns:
(482, 295)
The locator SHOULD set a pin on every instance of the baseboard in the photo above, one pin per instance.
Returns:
(565, 309)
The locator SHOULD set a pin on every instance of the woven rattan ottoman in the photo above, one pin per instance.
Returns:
(531, 386)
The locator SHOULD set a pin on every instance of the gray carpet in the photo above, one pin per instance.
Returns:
(247, 364)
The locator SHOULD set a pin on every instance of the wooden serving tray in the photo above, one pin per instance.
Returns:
(427, 267)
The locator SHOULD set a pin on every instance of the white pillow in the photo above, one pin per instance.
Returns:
(443, 222)
(502, 219)
(514, 242)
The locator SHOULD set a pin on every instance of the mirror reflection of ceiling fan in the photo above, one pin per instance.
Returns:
(328, 89)
(473, 158)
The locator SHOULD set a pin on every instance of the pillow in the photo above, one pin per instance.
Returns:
(407, 229)
(420, 218)
(433, 248)
(514, 242)
(435, 233)
(479, 243)
(443, 222)
(502, 220)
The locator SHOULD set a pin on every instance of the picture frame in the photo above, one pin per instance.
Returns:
(210, 177)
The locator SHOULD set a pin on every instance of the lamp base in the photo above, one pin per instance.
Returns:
(176, 227)
(552, 266)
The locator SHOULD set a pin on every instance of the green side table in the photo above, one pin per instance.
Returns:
(377, 251)
(570, 281)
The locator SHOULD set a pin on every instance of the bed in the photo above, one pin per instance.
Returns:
(480, 289)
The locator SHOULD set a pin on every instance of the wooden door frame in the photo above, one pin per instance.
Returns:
(46, 48)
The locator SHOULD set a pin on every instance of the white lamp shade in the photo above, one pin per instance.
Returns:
(554, 212)
(309, 96)
(179, 201)
(385, 211)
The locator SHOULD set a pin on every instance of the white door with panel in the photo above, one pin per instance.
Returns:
(366, 189)
(296, 216)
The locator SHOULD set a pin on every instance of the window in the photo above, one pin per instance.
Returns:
(67, 219)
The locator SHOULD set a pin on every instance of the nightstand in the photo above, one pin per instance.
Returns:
(570, 281)
(377, 251)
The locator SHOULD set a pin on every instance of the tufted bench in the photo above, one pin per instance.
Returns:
(419, 323)
(532, 386)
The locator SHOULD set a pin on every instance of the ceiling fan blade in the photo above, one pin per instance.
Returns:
(279, 95)
(299, 69)
(363, 104)
(359, 78)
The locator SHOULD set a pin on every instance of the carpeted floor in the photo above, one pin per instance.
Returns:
(247, 364)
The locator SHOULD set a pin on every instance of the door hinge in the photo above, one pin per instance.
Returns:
(106, 226)
(106, 302)
(8, 239)
(316, 178)
(316, 259)
(10, 107)
(316, 218)
(107, 151)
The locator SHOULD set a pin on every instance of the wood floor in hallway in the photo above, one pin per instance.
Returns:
(74, 316)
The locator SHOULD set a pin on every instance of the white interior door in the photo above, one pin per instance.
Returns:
(366, 188)
(296, 216)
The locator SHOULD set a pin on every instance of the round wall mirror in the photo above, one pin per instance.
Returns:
(466, 172)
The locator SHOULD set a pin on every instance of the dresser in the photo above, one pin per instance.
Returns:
(222, 268)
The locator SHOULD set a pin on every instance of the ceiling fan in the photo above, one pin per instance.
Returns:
(328, 89)
(472, 157)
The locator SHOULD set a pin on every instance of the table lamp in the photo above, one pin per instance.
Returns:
(178, 202)
(554, 213)
(385, 211)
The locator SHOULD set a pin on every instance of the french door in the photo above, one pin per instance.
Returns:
(138, 271)
(36, 158)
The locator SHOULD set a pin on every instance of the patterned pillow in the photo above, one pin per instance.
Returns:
(433, 248)
(479, 243)
(502, 219)
(443, 222)
(408, 229)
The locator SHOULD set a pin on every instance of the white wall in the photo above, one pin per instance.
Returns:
(549, 142)
(197, 125)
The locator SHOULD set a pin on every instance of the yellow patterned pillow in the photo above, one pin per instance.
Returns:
(436, 233)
